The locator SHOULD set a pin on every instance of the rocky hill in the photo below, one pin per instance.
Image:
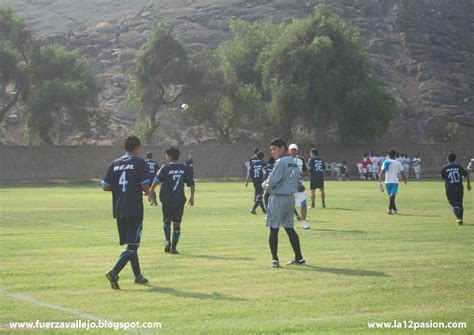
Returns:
(423, 50)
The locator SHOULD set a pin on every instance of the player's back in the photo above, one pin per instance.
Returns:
(452, 174)
(152, 167)
(392, 168)
(172, 178)
(316, 167)
(256, 170)
(126, 176)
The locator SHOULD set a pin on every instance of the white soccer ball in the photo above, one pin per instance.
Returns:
(184, 106)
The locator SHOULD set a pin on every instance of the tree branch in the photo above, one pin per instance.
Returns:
(12, 103)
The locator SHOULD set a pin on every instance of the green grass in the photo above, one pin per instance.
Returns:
(57, 241)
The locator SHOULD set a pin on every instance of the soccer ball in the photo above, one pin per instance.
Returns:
(184, 106)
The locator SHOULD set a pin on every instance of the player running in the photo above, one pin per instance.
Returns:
(172, 177)
(127, 178)
(416, 164)
(256, 174)
(316, 173)
(282, 184)
(391, 168)
(452, 175)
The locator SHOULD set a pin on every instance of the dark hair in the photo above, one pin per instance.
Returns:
(256, 150)
(271, 160)
(278, 142)
(260, 155)
(149, 155)
(392, 153)
(451, 157)
(314, 151)
(173, 153)
(131, 143)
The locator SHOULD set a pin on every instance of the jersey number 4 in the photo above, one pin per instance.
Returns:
(123, 181)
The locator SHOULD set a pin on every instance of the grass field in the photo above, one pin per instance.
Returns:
(57, 241)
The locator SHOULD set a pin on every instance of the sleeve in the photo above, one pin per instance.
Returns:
(385, 165)
(443, 173)
(107, 181)
(275, 177)
(160, 175)
(324, 166)
(189, 178)
(143, 174)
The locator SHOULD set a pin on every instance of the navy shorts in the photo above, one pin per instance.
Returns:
(258, 187)
(455, 198)
(130, 230)
(172, 211)
(314, 184)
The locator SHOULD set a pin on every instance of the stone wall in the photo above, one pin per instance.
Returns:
(43, 163)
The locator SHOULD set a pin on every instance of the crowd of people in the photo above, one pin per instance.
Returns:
(369, 166)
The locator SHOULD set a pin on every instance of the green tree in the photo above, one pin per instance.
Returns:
(157, 78)
(62, 93)
(319, 72)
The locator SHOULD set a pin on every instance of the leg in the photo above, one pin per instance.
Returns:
(304, 211)
(176, 234)
(323, 196)
(295, 243)
(313, 197)
(273, 241)
(167, 231)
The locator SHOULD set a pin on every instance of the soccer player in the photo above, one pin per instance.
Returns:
(375, 165)
(172, 177)
(366, 166)
(417, 166)
(266, 173)
(470, 166)
(249, 163)
(189, 162)
(300, 195)
(452, 174)
(406, 164)
(391, 168)
(316, 173)
(127, 178)
(282, 184)
(256, 174)
(152, 169)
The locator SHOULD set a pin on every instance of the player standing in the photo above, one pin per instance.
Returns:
(282, 184)
(152, 169)
(127, 178)
(256, 174)
(316, 172)
(417, 166)
(172, 177)
(452, 174)
(300, 195)
(391, 168)
(189, 162)
(267, 170)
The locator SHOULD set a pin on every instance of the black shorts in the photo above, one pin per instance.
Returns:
(455, 198)
(314, 184)
(130, 230)
(172, 211)
(258, 188)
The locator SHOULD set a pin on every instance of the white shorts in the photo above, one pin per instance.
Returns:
(363, 170)
(300, 199)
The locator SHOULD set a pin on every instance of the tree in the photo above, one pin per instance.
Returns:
(62, 93)
(318, 71)
(157, 78)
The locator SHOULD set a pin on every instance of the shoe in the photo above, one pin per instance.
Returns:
(389, 212)
(253, 212)
(305, 225)
(298, 218)
(265, 217)
(168, 247)
(395, 211)
(324, 205)
(294, 261)
(459, 222)
(312, 206)
(113, 279)
(141, 280)
(275, 264)
(174, 251)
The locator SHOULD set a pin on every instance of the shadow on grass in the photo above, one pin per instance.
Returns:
(420, 215)
(219, 258)
(192, 295)
(342, 231)
(343, 209)
(345, 272)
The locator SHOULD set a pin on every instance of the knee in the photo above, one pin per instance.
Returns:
(176, 226)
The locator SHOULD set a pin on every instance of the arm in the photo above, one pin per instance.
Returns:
(247, 180)
(106, 183)
(191, 198)
(275, 177)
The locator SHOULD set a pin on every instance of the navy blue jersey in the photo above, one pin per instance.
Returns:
(316, 168)
(256, 171)
(126, 175)
(267, 170)
(172, 177)
(252, 160)
(452, 175)
(152, 168)
(189, 162)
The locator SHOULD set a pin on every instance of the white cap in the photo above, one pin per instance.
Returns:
(293, 146)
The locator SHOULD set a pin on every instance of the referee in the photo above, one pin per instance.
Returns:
(282, 184)
(127, 179)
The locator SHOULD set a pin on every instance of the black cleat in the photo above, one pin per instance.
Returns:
(298, 218)
(141, 280)
(275, 264)
(312, 206)
(174, 251)
(168, 247)
(324, 205)
(296, 261)
(113, 279)
(252, 211)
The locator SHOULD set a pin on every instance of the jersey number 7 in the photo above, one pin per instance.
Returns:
(176, 179)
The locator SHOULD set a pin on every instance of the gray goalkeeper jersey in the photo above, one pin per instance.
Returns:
(284, 178)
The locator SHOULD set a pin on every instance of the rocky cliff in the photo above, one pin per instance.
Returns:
(423, 50)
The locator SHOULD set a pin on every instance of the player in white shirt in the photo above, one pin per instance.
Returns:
(406, 164)
(392, 168)
(417, 166)
(470, 166)
(375, 166)
(300, 196)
